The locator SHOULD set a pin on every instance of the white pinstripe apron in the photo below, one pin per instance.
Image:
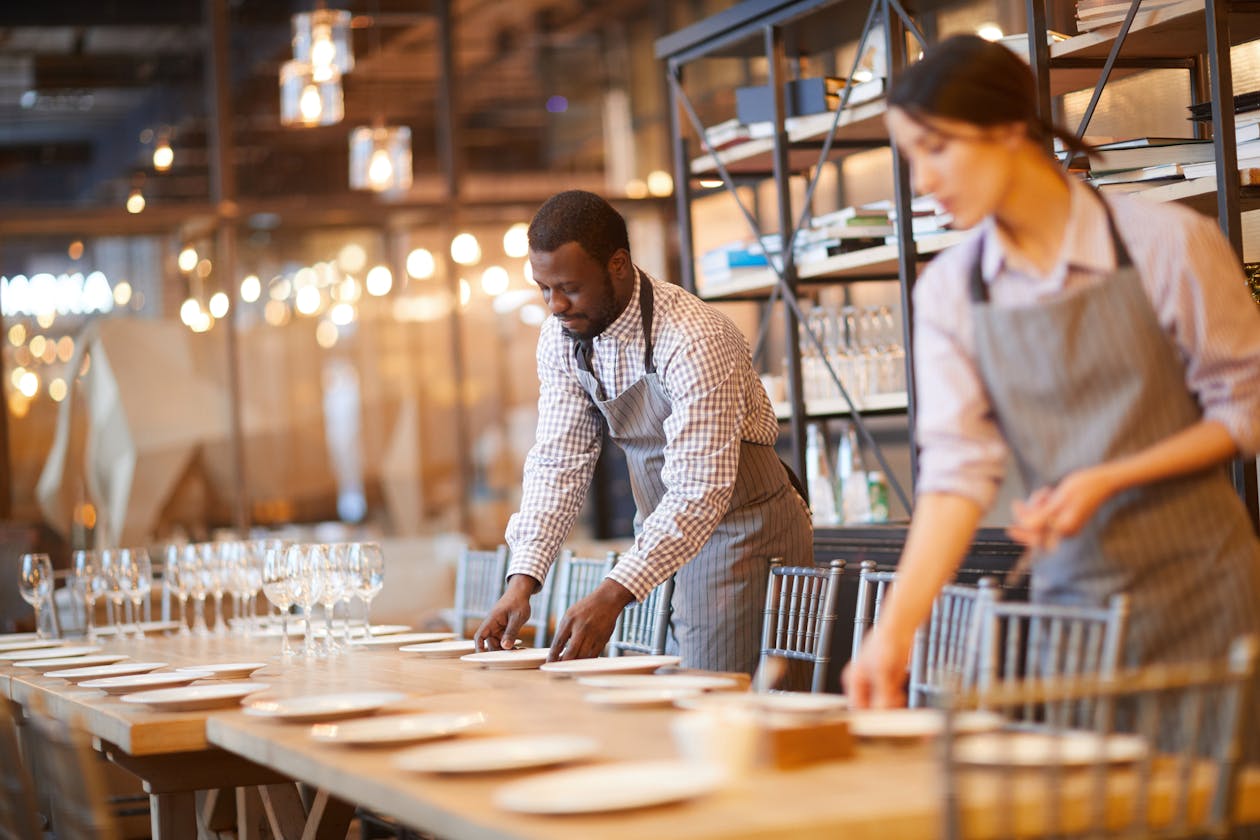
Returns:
(716, 610)
(1089, 376)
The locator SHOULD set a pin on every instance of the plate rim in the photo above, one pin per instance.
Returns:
(687, 781)
(585, 746)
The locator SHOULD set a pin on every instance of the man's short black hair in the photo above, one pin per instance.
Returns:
(581, 217)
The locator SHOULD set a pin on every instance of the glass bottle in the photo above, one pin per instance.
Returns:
(818, 476)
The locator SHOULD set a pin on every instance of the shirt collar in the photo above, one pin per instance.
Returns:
(629, 321)
(1086, 245)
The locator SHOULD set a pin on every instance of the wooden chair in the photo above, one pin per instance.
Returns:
(1174, 734)
(479, 582)
(577, 577)
(70, 773)
(541, 611)
(872, 586)
(944, 656)
(643, 627)
(800, 614)
(19, 813)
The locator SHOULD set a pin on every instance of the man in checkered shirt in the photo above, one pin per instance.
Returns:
(671, 380)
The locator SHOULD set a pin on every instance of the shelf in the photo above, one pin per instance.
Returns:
(1176, 31)
(854, 265)
(1199, 194)
(862, 122)
(893, 403)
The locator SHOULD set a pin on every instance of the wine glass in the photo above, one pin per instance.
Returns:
(85, 571)
(193, 581)
(278, 590)
(112, 582)
(216, 574)
(137, 571)
(36, 586)
(367, 575)
(305, 583)
(332, 571)
(174, 581)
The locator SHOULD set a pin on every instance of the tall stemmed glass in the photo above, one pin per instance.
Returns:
(112, 575)
(216, 567)
(85, 569)
(137, 572)
(278, 589)
(36, 586)
(332, 572)
(174, 581)
(367, 575)
(253, 583)
(303, 563)
(194, 583)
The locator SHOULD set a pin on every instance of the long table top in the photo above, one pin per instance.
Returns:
(885, 791)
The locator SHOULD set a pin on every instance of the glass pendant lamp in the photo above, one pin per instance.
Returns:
(380, 158)
(306, 100)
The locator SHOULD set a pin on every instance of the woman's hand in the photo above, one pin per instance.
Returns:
(1052, 513)
(876, 678)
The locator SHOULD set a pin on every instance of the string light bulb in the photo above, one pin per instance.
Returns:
(163, 155)
(135, 201)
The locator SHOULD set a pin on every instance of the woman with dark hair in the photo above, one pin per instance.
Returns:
(1109, 345)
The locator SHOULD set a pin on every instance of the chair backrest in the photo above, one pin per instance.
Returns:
(944, 654)
(541, 610)
(872, 586)
(577, 577)
(1043, 641)
(800, 614)
(643, 627)
(479, 582)
(1159, 757)
(19, 814)
(71, 772)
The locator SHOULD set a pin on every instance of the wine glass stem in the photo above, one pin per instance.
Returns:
(286, 649)
(39, 624)
(89, 619)
(310, 635)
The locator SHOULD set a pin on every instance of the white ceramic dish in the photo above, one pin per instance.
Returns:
(29, 644)
(102, 671)
(44, 666)
(319, 707)
(5, 638)
(49, 653)
(442, 650)
(690, 682)
(144, 682)
(609, 787)
(519, 659)
(1041, 749)
(638, 698)
(396, 729)
(488, 755)
(917, 723)
(609, 665)
(400, 639)
(193, 698)
(226, 670)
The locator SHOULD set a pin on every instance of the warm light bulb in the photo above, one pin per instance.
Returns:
(135, 202)
(188, 311)
(57, 389)
(420, 264)
(465, 292)
(465, 249)
(352, 257)
(219, 304)
(323, 50)
(188, 259)
(122, 293)
(251, 288)
(29, 384)
(379, 280)
(163, 156)
(516, 240)
(309, 104)
(495, 280)
(636, 188)
(380, 168)
(307, 300)
(341, 314)
(326, 334)
(660, 183)
(17, 335)
(989, 31)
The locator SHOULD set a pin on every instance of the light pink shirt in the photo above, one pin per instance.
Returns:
(1189, 272)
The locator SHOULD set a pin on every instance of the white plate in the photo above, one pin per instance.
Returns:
(395, 729)
(917, 723)
(609, 787)
(17, 637)
(442, 650)
(49, 653)
(226, 670)
(400, 639)
(609, 665)
(46, 665)
(638, 698)
(79, 673)
(317, 707)
(485, 755)
(1039, 749)
(195, 697)
(389, 629)
(692, 682)
(30, 644)
(145, 626)
(778, 702)
(521, 658)
(142, 682)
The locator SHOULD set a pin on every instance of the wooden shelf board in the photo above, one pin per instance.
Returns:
(837, 407)
(1175, 31)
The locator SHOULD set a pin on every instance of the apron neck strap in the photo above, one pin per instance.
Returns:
(645, 312)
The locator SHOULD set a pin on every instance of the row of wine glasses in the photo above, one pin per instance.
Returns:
(306, 575)
(123, 577)
(861, 344)
(201, 571)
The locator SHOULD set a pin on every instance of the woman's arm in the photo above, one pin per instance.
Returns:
(940, 533)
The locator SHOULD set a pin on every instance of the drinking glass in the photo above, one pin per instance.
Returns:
(303, 562)
(278, 590)
(216, 580)
(36, 586)
(367, 575)
(193, 580)
(332, 572)
(85, 571)
(174, 581)
(137, 582)
(112, 580)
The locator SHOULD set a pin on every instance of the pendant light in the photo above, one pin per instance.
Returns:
(380, 158)
(321, 38)
(306, 100)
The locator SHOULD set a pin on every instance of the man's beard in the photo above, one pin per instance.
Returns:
(601, 318)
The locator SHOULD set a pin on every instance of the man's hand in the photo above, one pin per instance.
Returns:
(876, 677)
(1053, 513)
(587, 626)
(498, 631)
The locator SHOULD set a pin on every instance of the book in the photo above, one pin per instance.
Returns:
(726, 133)
(1153, 152)
(1208, 168)
(1146, 173)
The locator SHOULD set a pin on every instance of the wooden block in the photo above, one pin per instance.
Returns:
(788, 745)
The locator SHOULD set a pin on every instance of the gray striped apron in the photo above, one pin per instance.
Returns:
(1089, 376)
(719, 595)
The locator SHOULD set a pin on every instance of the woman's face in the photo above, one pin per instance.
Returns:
(967, 167)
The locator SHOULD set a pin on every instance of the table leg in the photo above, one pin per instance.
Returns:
(173, 816)
(329, 818)
(251, 819)
(283, 807)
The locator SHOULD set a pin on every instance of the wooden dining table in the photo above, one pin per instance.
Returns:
(884, 790)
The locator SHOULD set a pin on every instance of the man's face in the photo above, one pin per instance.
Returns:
(577, 289)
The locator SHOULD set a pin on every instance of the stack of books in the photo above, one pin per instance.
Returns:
(732, 262)
(1096, 14)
